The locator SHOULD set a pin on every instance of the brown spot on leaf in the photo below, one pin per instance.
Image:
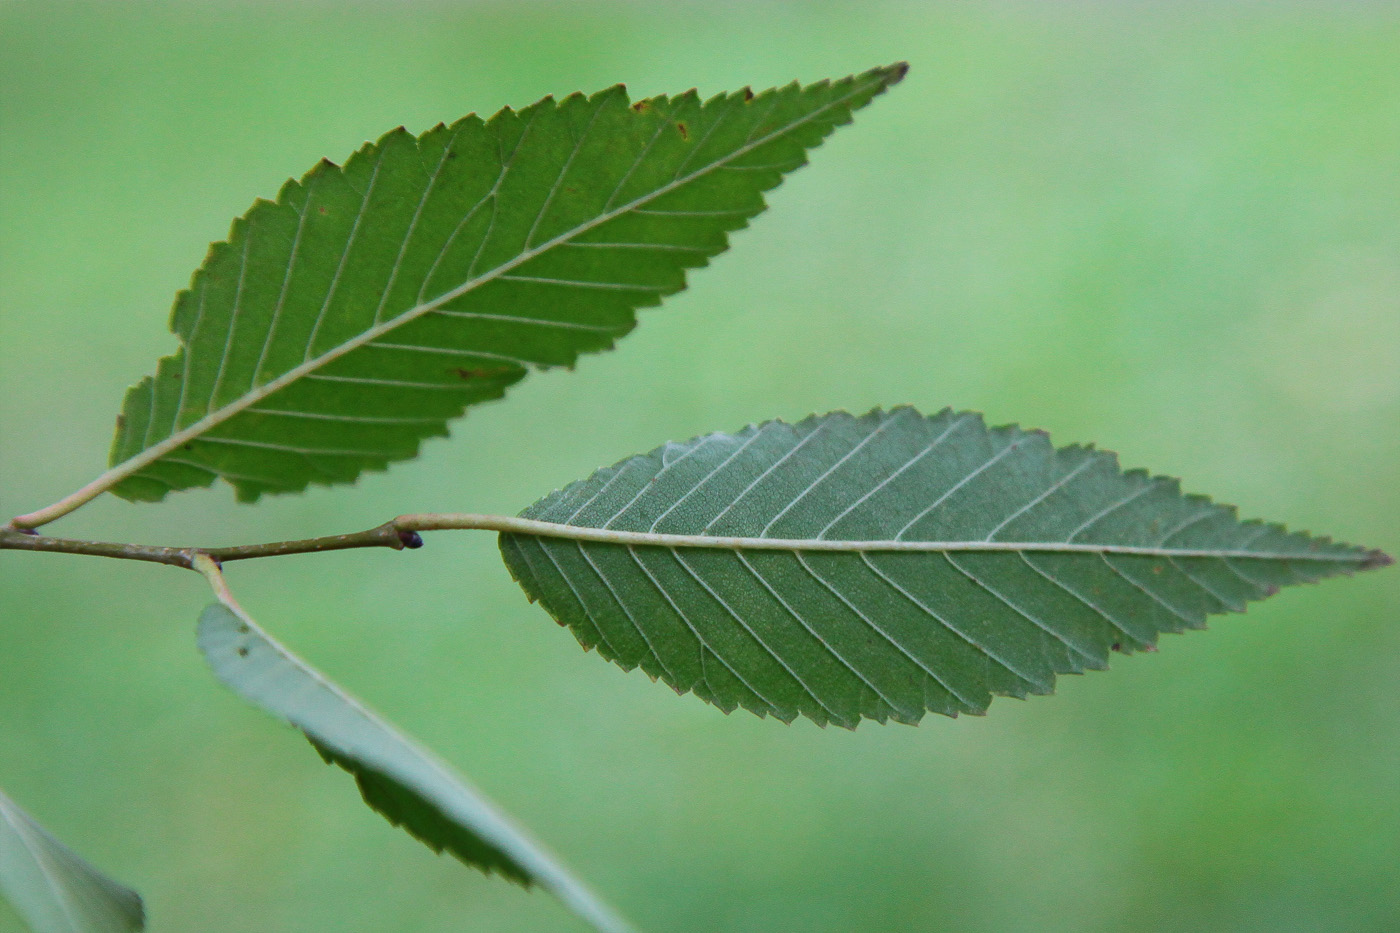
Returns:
(748, 93)
(1116, 646)
(642, 106)
(484, 372)
(121, 422)
(322, 210)
(242, 651)
(684, 130)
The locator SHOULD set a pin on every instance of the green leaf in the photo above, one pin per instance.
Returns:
(890, 564)
(349, 320)
(53, 888)
(407, 784)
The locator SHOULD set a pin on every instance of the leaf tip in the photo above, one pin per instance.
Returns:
(896, 73)
(1375, 559)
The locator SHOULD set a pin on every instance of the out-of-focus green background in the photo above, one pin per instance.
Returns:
(1172, 229)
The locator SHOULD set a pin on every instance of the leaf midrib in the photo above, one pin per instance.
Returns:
(536, 528)
(134, 464)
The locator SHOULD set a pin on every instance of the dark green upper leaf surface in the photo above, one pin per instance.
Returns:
(53, 888)
(891, 564)
(401, 780)
(371, 303)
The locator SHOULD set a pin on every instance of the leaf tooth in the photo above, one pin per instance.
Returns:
(617, 90)
(503, 115)
(397, 132)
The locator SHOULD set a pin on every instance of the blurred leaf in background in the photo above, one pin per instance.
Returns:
(1169, 229)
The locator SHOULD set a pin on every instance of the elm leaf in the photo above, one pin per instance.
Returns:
(372, 303)
(884, 566)
(404, 782)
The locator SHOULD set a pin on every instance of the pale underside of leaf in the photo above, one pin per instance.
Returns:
(369, 305)
(892, 564)
(404, 782)
(53, 888)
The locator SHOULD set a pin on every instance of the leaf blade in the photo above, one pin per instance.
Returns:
(884, 566)
(53, 888)
(402, 781)
(390, 290)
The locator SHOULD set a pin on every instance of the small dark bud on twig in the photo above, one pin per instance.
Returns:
(411, 539)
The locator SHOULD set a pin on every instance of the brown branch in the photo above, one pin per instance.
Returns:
(389, 535)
